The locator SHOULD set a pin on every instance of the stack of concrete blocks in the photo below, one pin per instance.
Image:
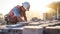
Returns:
(52, 30)
(32, 30)
(50, 24)
(3, 31)
(11, 30)
(14, 31)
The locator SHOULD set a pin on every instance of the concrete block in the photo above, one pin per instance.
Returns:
(12, 31)
(52, 30)
(32, 30)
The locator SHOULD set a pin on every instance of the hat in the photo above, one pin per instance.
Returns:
(26, 5)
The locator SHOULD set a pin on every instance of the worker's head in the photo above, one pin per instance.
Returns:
(26, 5)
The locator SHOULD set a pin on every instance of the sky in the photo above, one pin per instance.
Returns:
(36, 5)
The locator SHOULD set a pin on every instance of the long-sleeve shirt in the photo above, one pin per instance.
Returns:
(16, 11)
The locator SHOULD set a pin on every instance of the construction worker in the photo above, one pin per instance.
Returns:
(18, 13)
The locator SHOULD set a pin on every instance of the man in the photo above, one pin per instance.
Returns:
(18, 13)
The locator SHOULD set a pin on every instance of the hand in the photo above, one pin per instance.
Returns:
(21, 19)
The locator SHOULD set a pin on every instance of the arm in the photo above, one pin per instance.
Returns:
(24, 15)
(18, 15)
(25, 18)
(16, 12)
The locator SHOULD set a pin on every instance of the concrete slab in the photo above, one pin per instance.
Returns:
(52, 30)
(32, 30)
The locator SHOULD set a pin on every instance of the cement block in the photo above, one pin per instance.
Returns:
(32, 30)
(52, 30)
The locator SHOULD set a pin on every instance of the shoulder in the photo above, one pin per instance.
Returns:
(18, 6)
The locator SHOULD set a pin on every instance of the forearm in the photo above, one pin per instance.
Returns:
(20, 19)
(25, 18)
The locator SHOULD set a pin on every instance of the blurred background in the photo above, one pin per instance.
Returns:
(42, 9)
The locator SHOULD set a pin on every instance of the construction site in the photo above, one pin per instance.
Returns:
(37, 21)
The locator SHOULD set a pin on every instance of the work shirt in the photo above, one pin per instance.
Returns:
(16, 11)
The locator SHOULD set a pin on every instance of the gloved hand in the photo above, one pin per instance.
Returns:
(21, 19)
